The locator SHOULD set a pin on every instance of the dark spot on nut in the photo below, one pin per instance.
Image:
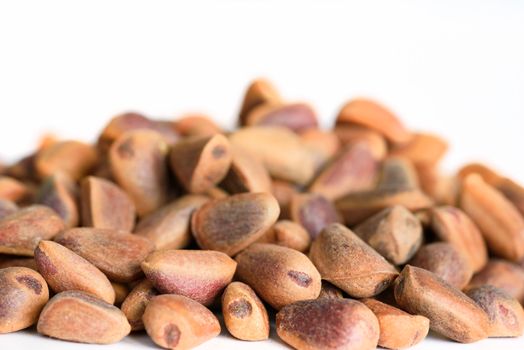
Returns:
(31, 283)
(125, 150)
(300, 278)
(45, 266)
(240, 308)
(171, 335)
(218, 152)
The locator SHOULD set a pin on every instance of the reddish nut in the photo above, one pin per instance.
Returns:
(350, 134)
(7, 208)
(501, 274)
(259, 92)
(231, 224)
(135, 303)
(80, 317)
(283, 192)
(246, 174)
(196, 125)
(313, 212)
(177, 322)
(330, 291)
(59, 192)
(423, 148)
(196, 274)
(11, 189)
(297, 117)
(73, 158)
(287, 234)
(322, 145)
(8, 261)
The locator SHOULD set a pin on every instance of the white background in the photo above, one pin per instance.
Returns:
(452, 67)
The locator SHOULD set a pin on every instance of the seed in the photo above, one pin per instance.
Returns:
(313, 212)
(353, 170)
(246, 174)
(287, 234)
(11, 189)
(394, 233)
(177, 322)
(279, 275)
(350, 134)
(7, 208)
(505, 314)
(343, 259)
(105, 205)
(445, 261)
(138, 162)
(80, 317)
(135, 303)
(397, 174)
(59, 193)
(451, 312)
(216, 193)
(199, 275)
(64, 270)
(200, 163)
(423, 148)
(117, 254)
(322, 145)
(499, 221)
(20, 232)
(452, 225)
(398, 329)
(73, 158)
(196, 125)
(330, 291)
(121, 292)
(9, 261)
(23, 294)
(231, 224)
(258, 93)
(283, 192)
(297, 117)
(283, 154)
(328, 324)
(374, 116)
(244, 314)
(501, 274)
(443, 189)
(169, 226)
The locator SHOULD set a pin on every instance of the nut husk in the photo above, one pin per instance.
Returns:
(501, 274)
(135, 303)
(59, 192)
(312, 211)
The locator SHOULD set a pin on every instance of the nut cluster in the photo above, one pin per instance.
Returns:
(353, 236)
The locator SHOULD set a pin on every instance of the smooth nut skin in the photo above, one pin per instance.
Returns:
(287, 234)
(298, 117)
(200, 163)
(169, 227)
(452, 225)
(279, 275)
(105, 205)
(73, 158)
(65, 270)
(117, 254)
(445, 261)
(197, 274)
(346, 261)
(23, 294)
(245, 316)
(328, 324)
(231, 224)
(194, 124)
(451, 312)
(177, 322)
(398, 329)
(500, 222)
(20, 232)
(501, 274)
(423, 148)
(135, 303)
(80, 317)
(323, 145)
(138, 162)
(351, 134)
(313, 211)
(506, 317)
(394, 233)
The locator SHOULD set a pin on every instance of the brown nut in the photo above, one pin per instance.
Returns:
(138, 162)
(245, 316)
(398, 329)
(452, 225)
(23, 295)
(312, 211)
(259, 92)
(397, 174)
(283, 192)
(11, 189)
(394, 233)
(445, 261)
(200, 163)
(283, 154)
(297, 117)
(196, 125)
(279, 275)
(65, 270)
(197, 274)
(354, 170)
(287, 234)
(450, 312)
(20, 232)
(330, 291)
(246, 174)
(9, 261)
(444, 189)
(117, 254)
(350, 134)
(501, 274)
(135, 303)
(374, 116)
(328, 324)
(497, 218)
(506, 317)
(59, 192)
(177, 322)
(105, 205)
(73, 158)
(343, 259)
(121, 292)
(169, 227)
(231, 224)
(7, 208)
(322, 145)
(423, 148)
(80, 317)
